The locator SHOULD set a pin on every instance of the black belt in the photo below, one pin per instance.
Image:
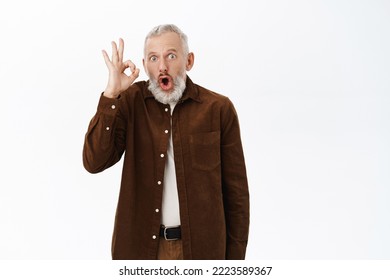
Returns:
(170, 233)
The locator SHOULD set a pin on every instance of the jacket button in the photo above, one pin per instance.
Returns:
(159, 182)
(162, 155)
(154, 237)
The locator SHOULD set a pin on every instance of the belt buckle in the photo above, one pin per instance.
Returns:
(165, 234)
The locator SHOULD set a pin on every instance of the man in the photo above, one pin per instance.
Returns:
(184, 192)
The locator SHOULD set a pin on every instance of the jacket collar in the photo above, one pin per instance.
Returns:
(190, 92)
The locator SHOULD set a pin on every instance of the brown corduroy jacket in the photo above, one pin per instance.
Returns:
(210, 171)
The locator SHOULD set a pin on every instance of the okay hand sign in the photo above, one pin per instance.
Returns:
(118, 81)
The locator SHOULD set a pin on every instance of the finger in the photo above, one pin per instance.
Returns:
(106, 58)
(130, 64)
(120, 49)
(134, 75)
(114, 52)
(134, 70)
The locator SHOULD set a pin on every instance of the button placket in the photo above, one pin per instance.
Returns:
(162, 155)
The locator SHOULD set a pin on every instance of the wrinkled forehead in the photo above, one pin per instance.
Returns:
(163, 42)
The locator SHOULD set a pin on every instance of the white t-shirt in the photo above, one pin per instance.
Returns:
(170, 215)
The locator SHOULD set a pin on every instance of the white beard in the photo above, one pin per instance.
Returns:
(179, 85)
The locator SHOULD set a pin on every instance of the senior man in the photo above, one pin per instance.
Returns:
(184, 191)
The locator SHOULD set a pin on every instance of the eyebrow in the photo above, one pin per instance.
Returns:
(172, 49)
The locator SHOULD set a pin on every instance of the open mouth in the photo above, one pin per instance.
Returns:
(166, 82)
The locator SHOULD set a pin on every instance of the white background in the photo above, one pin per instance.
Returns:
(309, 79)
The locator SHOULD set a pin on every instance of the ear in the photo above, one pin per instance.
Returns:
(143, 63)
(190, 61)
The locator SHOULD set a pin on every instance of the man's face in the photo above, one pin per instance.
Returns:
(165, 60)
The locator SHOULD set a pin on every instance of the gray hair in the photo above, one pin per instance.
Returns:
(164, 28)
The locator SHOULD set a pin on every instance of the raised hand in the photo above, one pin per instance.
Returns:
(118, 81)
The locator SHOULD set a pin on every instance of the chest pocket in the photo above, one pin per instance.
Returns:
(205, 150)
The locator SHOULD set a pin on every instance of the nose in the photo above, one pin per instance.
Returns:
(163, 66)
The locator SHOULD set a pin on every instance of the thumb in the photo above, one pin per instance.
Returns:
(134, 75)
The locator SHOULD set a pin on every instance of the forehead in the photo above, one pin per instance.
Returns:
(165, 41)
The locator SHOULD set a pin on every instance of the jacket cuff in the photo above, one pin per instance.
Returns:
(108, 106)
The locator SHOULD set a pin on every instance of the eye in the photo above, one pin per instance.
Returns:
(153, 58)
(171, 56)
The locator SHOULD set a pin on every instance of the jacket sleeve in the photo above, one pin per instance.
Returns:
(104, 141)
(234, 185)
